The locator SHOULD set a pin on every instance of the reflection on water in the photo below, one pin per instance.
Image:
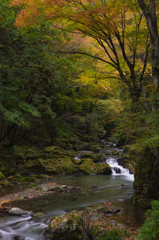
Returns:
(108, 189)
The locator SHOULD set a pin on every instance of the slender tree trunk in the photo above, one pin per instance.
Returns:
(151, 19)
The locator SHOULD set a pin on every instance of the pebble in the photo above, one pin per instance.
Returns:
(15, 211)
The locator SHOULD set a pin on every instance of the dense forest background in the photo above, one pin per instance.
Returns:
(83, 69)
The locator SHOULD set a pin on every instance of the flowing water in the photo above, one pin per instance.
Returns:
(92, 188)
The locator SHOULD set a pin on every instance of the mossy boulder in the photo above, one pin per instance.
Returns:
(55, 164)
(29, 179)
(96, 147)
(93, 218)
(98, 158)
(99, 224)
(5, 183)
(87, 155)
(128, 161)
(53, 149)
(48, 162)
(102, 168)
(56, 150)
(41, 176)
(66, 226)
(2, 177)
(19, 178)
(88, 166)
(59, 161)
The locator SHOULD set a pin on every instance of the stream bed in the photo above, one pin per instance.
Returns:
(117, 188)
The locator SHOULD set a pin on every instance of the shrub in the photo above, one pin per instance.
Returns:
(150, 229)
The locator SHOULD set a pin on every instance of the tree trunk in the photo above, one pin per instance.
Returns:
(151, 19)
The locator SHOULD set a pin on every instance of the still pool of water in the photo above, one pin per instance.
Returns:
(109, 188)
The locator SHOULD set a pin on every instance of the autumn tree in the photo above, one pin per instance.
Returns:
(117, 27)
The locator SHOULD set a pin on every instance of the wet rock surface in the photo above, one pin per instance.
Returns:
(15, 211)
(90, 222)
(66, 226)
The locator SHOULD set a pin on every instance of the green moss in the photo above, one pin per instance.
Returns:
(94, 147)
(5, 183)
(52, 149)
(87, 155)
(2, 177)
(59, 164)
(59, 161)
(67, 226)
(88, 166)
(103, 168)
(17, 178)
(98, 158)
(29, 179)
(40, 176)
(32, 185)
(114, 234)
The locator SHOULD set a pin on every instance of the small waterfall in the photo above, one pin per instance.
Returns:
(119, 170)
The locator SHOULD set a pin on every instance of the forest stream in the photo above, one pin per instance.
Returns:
(117, 188)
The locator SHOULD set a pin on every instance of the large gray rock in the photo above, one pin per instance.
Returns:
(66, 227)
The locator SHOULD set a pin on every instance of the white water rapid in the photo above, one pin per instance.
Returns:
(20, 228)
(119, 170)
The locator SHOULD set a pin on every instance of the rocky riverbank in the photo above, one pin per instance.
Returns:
(98, 221)
(35, 190)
